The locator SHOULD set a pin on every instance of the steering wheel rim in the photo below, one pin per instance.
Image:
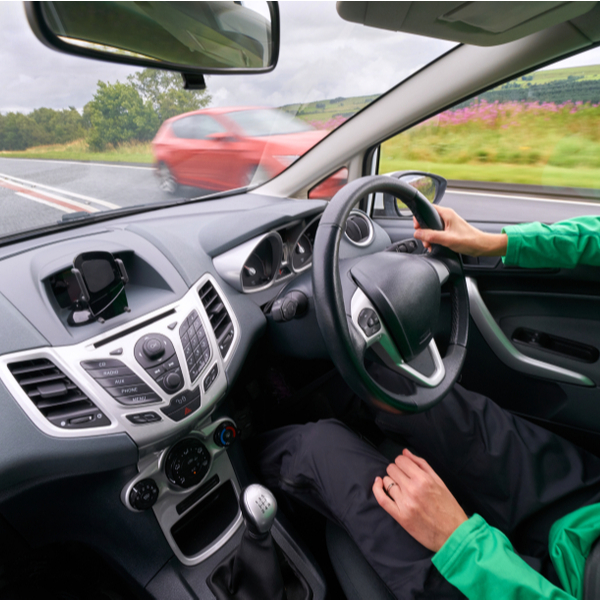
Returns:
(336, 313)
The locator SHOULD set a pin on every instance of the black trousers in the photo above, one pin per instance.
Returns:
(519, 477)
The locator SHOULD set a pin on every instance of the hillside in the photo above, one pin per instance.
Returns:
(551, 85)
(327, 110)
(577, 84)
(588, 73)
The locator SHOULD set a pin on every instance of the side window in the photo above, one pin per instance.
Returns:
(183, 128)
(328, 188)
(196, 127)
(541, 129)
(204, 125)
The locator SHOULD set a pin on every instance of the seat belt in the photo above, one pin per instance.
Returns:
(591, 576)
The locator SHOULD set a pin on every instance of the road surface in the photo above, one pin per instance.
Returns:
(36, 193)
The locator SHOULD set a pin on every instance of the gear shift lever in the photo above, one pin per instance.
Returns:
(252, 570)
(259, 507)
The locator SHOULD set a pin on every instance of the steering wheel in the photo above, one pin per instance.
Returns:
(388, 302)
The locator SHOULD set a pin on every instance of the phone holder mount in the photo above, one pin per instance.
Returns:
(101, 279)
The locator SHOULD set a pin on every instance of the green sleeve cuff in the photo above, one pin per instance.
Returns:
(451, 553)
(513, 247)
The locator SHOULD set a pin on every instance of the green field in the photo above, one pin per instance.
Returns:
(79, 150)
(503, 173)
(505, 142)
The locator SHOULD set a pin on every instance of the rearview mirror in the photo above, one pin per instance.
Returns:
(191, 37)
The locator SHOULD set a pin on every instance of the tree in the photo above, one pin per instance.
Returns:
(18, 132)
(59, 126)
(163, 90)
(118, 114)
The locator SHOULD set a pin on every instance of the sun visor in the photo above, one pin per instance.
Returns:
(477, 23)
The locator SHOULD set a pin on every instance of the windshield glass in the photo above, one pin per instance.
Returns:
(257, 123)
(80, 136)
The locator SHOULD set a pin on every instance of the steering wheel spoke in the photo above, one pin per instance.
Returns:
(389, 354)
(365, 319)
(373, 334)
(441, 268)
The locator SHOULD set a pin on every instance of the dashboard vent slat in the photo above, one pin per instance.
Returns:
(218, 316)
(56, 396)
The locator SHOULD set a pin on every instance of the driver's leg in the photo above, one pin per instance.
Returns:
(521, 478)
(326, 466)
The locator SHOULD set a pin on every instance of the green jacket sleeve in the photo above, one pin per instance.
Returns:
(562, 245)
(480, 561)
(570, 541)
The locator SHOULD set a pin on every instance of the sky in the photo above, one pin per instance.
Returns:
(321, 57)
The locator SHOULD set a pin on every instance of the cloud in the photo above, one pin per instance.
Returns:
(33, 75)
(321, 56)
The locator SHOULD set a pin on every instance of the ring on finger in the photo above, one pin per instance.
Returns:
(389, 487)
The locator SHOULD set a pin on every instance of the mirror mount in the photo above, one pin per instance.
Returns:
(193, 81)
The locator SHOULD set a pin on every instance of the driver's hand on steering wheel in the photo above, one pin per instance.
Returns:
(461, 237)
(414, 495)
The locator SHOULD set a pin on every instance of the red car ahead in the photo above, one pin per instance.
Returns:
(225, 148)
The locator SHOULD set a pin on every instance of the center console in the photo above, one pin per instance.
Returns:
(192, 488)
(159, 378)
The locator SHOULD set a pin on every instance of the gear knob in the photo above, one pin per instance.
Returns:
(258, 506)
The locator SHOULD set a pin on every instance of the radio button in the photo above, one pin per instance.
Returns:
(111, 382)
(121, 371)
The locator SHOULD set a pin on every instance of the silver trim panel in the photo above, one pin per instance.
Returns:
(69, 358)
(367, 241)
(169, 495)
(505, 350)
(385, 347)
(230, 264)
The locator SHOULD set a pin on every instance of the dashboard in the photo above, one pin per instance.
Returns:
(144, 387)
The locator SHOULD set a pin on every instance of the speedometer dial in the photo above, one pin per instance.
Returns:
(302, 254)
(256, 271)
(260, 268)
(303, 250)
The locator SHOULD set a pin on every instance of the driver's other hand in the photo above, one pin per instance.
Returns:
(461, 237)
(419, 500)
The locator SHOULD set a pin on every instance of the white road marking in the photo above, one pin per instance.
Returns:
(81, 162)
(73, 203)
(33, 185)
(51, 204)
(520, 197)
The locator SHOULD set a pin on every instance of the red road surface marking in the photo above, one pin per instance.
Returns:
(50, 199)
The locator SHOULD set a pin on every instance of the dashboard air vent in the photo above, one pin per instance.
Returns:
(56, 396)
(219, 317)
(359, 229)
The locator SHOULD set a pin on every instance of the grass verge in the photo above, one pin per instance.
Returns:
(79, 150)
(502, 173)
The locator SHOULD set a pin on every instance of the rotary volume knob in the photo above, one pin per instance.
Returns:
(153, 348)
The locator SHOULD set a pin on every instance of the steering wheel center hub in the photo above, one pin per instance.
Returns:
(406, 292)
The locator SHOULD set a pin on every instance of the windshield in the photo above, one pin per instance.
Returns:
(258, 123)
(80, 137)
